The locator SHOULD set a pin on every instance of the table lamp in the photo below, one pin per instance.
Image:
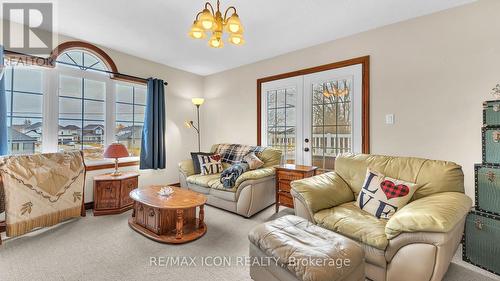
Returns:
(116, 150)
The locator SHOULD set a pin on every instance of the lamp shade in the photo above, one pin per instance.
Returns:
(197, 101)
(116, 150)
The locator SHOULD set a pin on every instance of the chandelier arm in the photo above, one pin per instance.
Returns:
(227, 10)
(208, 5)
(197, 15)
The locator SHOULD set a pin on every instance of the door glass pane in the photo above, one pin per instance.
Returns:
(281, 121)
(331, 122)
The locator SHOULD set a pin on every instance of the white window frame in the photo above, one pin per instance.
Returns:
(50, 106)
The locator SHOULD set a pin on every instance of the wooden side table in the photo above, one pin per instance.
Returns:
(286, 174)
(111, 193)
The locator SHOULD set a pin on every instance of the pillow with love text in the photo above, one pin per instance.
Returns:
(382, 196)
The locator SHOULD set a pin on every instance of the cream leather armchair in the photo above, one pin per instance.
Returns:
(419, 241)
(254, 190)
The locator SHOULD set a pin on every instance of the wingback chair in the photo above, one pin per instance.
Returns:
(418, 242)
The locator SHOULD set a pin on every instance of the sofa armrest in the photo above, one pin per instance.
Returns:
(255, 175)
(438, 212)
(322, 192)
(186, 167)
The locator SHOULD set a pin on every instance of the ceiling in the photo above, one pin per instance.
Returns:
(157, 29)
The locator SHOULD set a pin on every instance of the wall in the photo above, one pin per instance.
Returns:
(432, 72)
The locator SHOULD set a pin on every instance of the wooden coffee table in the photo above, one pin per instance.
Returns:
(168, 219)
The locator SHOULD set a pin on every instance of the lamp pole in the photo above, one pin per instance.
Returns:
(198, 115)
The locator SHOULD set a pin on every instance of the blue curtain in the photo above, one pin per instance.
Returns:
(4, 148)
(153, 132)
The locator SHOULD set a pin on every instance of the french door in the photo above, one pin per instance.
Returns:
(312, 118)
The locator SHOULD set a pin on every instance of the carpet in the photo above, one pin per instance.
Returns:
(105, 248)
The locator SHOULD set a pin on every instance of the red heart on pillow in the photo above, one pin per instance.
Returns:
(215, 157)
(393, 191)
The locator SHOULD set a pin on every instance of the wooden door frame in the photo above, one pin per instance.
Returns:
(365, 115)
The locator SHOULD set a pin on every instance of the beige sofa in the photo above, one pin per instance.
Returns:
(419, 241)
(254, 190)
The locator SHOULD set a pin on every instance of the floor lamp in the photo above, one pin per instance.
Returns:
(190, 124)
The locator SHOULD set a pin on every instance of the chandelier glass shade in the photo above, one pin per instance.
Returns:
(336, 90)
(212, 21)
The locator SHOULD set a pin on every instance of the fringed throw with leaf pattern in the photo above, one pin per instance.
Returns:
(41, 190)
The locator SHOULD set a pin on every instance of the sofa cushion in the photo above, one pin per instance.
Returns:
(347, 219)
(203, 180)
(432, 176)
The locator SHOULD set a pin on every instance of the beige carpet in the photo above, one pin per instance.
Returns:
(105, 248)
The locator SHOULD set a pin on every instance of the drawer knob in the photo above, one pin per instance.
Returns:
(479, 224)
(151, 213)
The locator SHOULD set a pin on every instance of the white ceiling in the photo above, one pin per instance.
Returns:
(157, 29)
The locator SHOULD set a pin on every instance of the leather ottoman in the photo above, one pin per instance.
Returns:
(292, 248)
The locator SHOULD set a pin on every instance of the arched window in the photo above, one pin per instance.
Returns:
(82, 60)
(78, 102)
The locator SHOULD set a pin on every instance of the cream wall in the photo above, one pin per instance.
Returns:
(432, 72)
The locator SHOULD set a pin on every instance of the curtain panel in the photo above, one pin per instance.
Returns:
(4, 149)
(153, 133)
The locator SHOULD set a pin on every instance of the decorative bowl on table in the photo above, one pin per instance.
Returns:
(165, 191)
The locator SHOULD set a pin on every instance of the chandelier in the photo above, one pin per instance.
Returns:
(212, 21)
(336, 91)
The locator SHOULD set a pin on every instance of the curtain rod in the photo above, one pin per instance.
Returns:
(145, 80)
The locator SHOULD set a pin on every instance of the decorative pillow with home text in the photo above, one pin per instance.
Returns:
(210, 164)
(382, 196)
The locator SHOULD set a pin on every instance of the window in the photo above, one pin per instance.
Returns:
(281, 121)
(23, 88)
(130, 107)
(82, 103)
(75, 105)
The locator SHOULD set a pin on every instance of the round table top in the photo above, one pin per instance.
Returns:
(181, 198)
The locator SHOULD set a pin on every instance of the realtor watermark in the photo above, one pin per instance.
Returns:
(28, 27)
(245, 261)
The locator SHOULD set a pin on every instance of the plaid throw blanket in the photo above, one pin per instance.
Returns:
(234, 153)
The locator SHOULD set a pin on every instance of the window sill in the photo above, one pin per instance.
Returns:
(109, 163)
